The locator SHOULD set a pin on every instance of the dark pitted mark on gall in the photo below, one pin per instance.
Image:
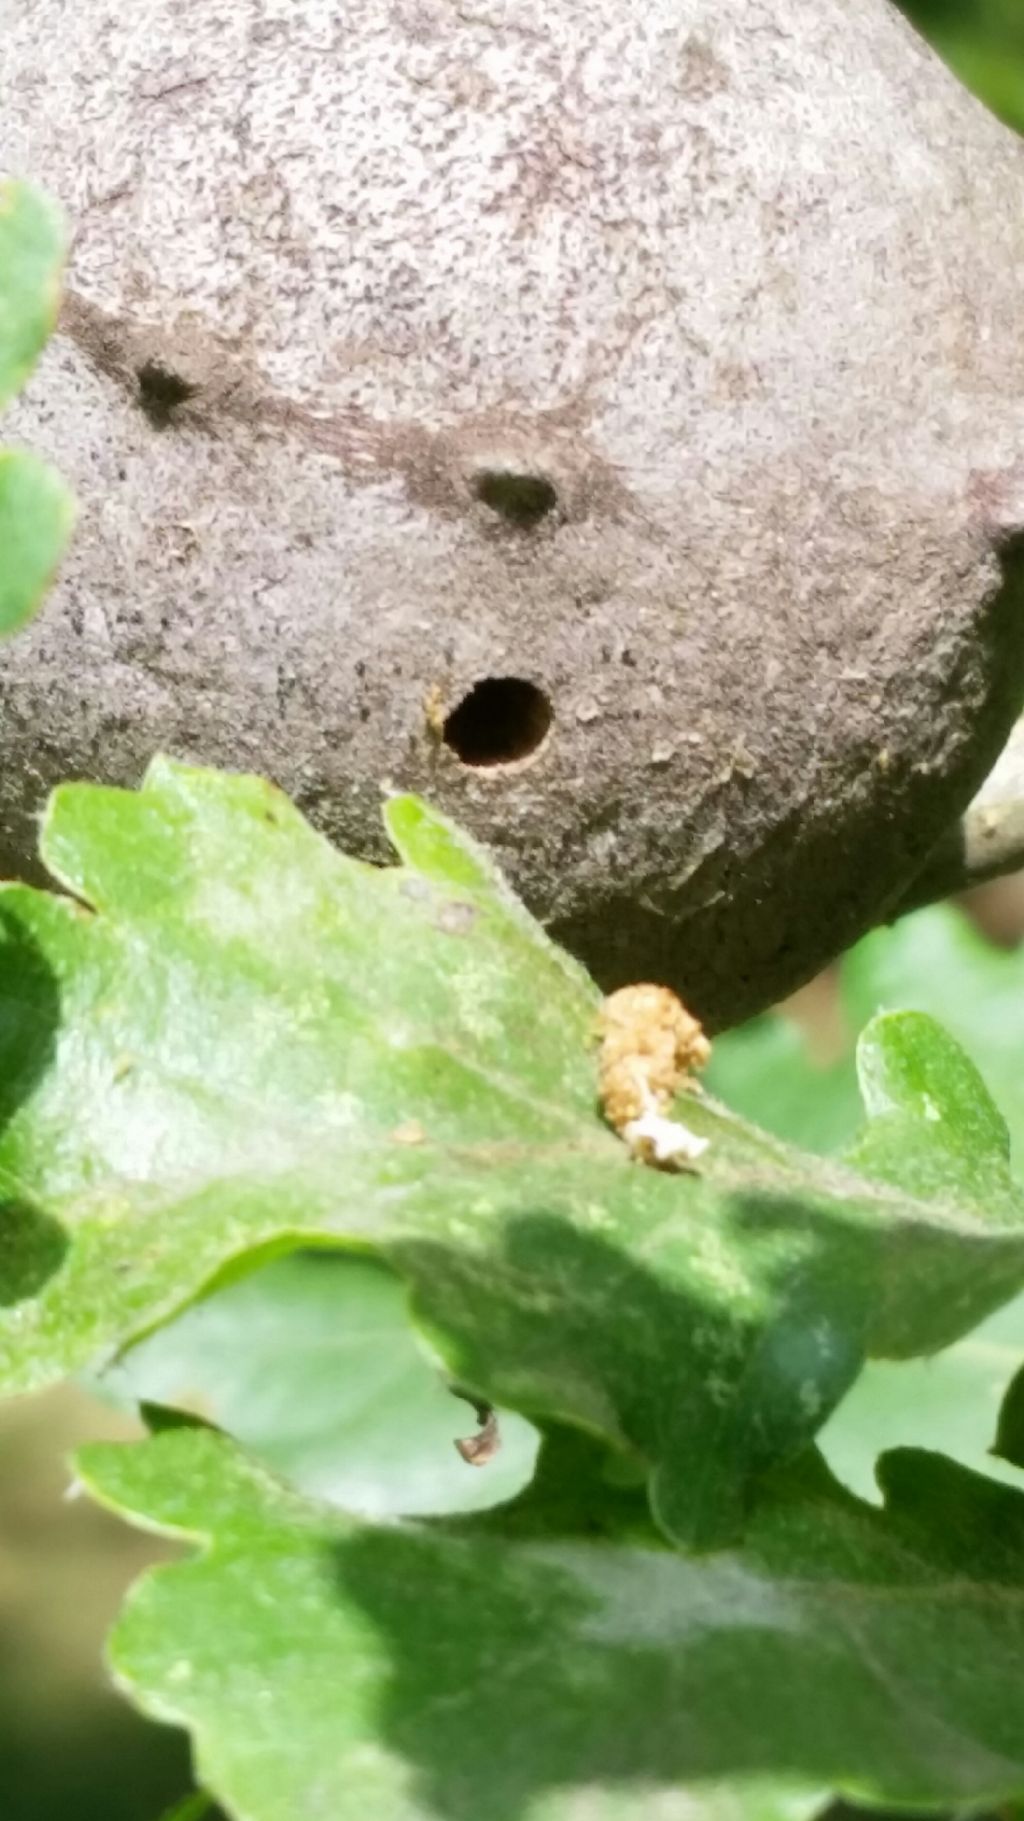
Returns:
(500, 721)
(161, 393)
(520, 498)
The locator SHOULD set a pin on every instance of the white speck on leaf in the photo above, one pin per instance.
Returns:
(666, 1140)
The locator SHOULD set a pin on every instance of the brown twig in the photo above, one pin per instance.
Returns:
(987, 844)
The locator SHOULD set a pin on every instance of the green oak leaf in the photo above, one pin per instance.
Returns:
(1009, 1443)
(554, 1660)
(310, 1362)
(36, 510)
(937, 961)
(931, 1122)
(32, 239)
(234, 1041)
(36, 517)
(891, 1146)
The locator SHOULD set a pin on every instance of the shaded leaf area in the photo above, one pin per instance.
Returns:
(556, 1661)
(191, 1808)
(310, 1362)
(257, 1043)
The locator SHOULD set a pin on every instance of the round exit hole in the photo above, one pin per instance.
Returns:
(521, 499)
(500, 721)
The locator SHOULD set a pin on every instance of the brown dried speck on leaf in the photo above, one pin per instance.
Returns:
(410, 1133)
(650, 1046)
(477, 1450)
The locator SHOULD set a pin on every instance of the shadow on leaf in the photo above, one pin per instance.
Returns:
(546, 1658)
(32, 1248)
(706, 1381)
(32, 1243)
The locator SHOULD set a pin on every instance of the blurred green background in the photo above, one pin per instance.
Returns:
(983, 41)
(69, 1749)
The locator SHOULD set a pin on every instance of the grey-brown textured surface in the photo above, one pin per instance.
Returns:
(735, 280)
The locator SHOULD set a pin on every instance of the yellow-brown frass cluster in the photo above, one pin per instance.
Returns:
(650, 1047)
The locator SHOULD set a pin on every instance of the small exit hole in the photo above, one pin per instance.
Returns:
(502, 719)
(520, 499)
(161, 392)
